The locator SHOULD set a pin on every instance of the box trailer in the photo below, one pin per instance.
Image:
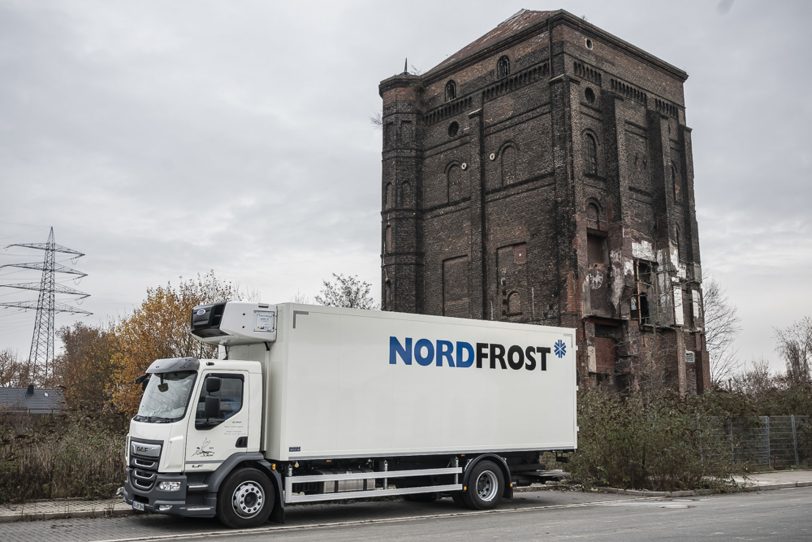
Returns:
(310, 403)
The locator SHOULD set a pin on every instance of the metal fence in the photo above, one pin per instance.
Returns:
(775, 441)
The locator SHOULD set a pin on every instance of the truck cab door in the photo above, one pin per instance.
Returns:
(220, 425)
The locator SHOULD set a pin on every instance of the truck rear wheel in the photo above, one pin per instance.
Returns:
(485, 486)
(246, 499)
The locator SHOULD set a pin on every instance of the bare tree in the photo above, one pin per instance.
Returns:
(795, 345)
(721, 327)
(755, 380)
(346, 291)
(15, 373)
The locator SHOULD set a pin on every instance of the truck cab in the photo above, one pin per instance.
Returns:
(197, 418)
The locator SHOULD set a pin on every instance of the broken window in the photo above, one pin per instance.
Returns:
(596, 250)
(645, 289)
(598, 275)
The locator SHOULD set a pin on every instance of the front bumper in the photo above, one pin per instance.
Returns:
(182, 502)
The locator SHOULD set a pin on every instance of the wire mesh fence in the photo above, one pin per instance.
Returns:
(774, 441)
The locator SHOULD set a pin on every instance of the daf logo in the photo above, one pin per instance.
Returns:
(141, 449)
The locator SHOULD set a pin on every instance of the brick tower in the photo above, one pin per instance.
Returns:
(543, 174)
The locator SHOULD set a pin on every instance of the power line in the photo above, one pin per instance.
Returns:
(41, 354)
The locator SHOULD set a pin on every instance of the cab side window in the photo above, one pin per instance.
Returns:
(220, 398)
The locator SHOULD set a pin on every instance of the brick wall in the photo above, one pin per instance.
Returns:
(560, 193)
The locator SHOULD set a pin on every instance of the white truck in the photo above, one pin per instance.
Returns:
(310, 403)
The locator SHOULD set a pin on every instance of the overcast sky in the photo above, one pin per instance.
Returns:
(168, 138)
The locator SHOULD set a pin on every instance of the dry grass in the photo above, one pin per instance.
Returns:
(59, 457)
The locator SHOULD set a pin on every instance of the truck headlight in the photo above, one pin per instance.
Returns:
(169, 486)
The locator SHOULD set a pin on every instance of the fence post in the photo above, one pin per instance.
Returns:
(794, 438)
(730, 436)
(767, 439)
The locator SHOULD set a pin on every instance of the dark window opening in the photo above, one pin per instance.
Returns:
(646, 292)
(450, 91)
(596, 249)
(589, 94)
(453, 129)
(645, 316)
(503, 67)
(644, 272)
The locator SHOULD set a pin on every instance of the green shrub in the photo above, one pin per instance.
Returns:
(660, 442)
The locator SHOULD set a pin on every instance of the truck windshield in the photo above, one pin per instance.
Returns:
(166, 397)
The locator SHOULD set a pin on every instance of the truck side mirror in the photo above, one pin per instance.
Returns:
(213, 384)
(212, 407)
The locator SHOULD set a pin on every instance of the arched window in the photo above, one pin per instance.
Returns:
(507, 162)
(503, 67)
(388, 196)
(387, 240)
(514, 304)
(590, 154)
(450, 90)
(593, 215)
(675, 182)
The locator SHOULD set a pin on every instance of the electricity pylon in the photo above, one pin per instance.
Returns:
(42, 341)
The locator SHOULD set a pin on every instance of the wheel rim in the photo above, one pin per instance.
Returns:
(248, 499)
(487, 485)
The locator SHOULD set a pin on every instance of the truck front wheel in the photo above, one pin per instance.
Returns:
(485, 486)
(246, 499)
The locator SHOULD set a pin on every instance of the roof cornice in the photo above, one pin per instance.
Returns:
(557, 17)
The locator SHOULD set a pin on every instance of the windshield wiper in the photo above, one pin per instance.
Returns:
(155, 419)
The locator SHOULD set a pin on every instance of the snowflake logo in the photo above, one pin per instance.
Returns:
(560, 348)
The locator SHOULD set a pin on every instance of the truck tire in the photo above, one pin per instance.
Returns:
(485, 486)
(246, 499)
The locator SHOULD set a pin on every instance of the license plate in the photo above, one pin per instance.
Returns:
(138, 506)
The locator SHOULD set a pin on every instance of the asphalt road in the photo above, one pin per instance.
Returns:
(542, 515)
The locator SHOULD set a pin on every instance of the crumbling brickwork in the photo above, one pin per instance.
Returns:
(543, 174)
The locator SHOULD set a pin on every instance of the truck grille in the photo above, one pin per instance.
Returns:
(144, 468)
